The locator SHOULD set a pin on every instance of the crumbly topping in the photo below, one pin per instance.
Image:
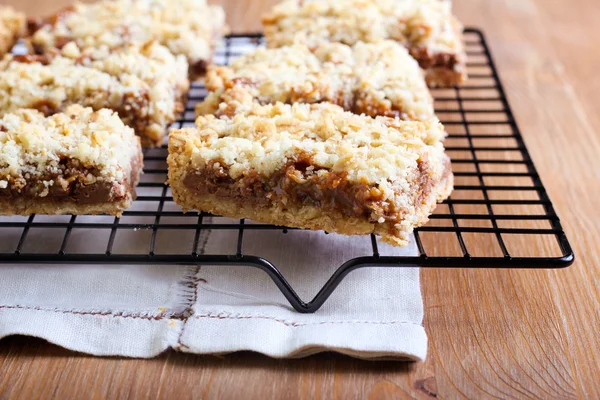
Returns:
(150, 62)
(145, 82)
(415, 23)
(382, 151)
(32, 145)
(377, 79)
(12, 26)
(186, 27)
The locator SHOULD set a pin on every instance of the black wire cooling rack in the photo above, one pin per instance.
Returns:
(499, 201)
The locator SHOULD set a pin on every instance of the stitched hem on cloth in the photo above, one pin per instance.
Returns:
(185, 291)
(148, 316)
(294, 324)
(185, 295)
(189, 311)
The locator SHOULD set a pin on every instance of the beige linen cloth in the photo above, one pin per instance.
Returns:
(142, 310)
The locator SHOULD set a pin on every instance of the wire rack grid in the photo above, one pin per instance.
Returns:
(499, 202)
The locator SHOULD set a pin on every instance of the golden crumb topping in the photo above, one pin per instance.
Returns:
(415, 23)
(142, 83)
(186, 27)
(264, 138)
(150, 62)
(12, 26)
(32, 145)
(371, 78)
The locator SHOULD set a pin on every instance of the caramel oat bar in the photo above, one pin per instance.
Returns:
(77, 162)
(367, 78)
(426, 27)
(13, 25)
(187, 27)
(312, 166)
(146, 85)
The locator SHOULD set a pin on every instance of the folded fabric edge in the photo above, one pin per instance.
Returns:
(95, 334)
(147, 337)
(361, 339)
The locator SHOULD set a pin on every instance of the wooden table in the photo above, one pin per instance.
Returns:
(503, 334)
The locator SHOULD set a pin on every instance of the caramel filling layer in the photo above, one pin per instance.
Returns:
(299, 185)
(74, 183)
(428, 60)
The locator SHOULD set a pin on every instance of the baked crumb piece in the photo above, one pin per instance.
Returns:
(311, 166)
(77, 162)
(145, 84)
(190, 28)
(426, 27)
(13, 25)
(367, 78)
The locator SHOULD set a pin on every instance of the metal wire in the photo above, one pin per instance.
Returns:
(477, 116)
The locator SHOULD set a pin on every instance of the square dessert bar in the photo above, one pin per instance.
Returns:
(426, 27)
(367, 78)
(77, 162)
(312, 166)
(145, 84)
(187, 27)
(13, 25)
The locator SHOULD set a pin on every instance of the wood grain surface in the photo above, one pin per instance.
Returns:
(492, 334)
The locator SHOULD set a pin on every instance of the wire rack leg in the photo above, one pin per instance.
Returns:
(321, 297)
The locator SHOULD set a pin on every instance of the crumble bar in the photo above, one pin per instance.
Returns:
(312, 166)
(187, 27)
(426, 27)
(146, 85)
(13, 25)
(77, 162)
(367, 78)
